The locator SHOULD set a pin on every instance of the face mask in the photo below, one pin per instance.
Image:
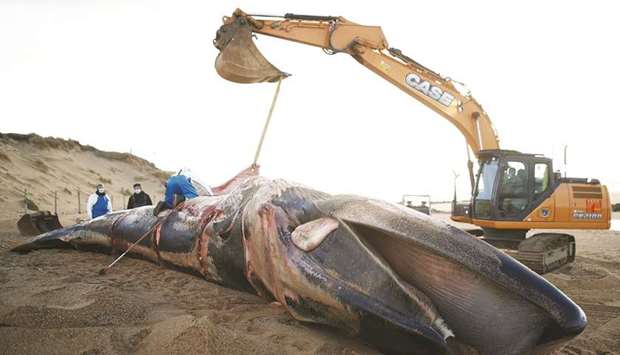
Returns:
(137, 191)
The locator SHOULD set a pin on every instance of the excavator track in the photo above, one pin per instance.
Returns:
(545, 252)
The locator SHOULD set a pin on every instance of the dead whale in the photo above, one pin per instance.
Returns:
(389, 274)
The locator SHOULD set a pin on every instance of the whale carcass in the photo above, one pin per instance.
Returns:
(389, 274)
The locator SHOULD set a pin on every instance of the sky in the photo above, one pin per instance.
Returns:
(138, 76)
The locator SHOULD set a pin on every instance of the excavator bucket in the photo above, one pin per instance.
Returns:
(37, 223)
(239, 59)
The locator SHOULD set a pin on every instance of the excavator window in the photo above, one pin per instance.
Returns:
(541, 178)
(509, 184)
(484, 189)
(513, 193)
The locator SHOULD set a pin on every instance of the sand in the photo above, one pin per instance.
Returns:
(593, 281)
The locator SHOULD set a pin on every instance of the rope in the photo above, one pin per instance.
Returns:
(262, 137)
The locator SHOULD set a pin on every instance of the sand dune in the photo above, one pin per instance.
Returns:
(42, 166)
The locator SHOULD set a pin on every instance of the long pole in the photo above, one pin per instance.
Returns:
(456, 176)
(105, 269)
(159, 222)
(470, 169)
(262, 137)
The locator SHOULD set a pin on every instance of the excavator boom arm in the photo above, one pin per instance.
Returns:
(240, 61)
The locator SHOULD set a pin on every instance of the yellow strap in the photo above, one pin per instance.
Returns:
(262, 137)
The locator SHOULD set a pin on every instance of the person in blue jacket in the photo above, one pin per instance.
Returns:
(98, 203)
(180, 185)
(179, 188)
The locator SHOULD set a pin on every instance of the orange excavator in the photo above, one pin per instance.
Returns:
(512, 193)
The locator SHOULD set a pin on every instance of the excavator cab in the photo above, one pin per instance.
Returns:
(510, 185)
